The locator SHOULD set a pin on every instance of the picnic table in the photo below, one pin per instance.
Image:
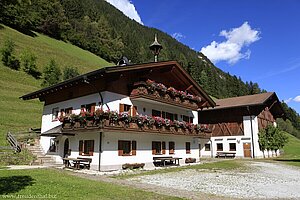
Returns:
(77, 162)
(164, 159)
(225, 154)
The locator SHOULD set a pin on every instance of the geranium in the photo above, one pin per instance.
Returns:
(183, 94)
(172, 91)
(139, 120)
(113, 116)
(125, 117)
(189, 96)
(148, 120)
(159, 121)
(161, 87)
(168, 122)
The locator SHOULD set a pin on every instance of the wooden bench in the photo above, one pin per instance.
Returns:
(78, 162)
(225, 155)
(85, 162)
(162, 160)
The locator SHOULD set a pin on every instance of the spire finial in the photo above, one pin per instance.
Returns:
(155, 47)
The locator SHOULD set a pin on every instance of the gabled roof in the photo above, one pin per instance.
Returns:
(172, 66)
(268, 99)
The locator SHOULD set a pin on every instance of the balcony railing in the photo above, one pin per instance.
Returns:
(111, 121)
(158, 92)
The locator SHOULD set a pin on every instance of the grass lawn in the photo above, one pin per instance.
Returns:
(19, 115)
(218, 165)
(58, 184)
(291, 154)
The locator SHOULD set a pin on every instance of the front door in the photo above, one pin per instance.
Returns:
(66, 148)
(247, 150)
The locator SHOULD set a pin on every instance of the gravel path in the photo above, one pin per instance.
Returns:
(261, 181)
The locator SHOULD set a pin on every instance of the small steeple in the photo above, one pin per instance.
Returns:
(155, 47)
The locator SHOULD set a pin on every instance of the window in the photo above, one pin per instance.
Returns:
(171, 147)
(126, 148)
(52, 145)
(55, 112)
(188, 147)
(232, 146)
(170, 116)
(207, 147)
(219, 146)
(158, 147)
(186, 118)
(156, 113)
(86, 147)
(128, 108)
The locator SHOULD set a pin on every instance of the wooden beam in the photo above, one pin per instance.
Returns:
(272, 104)
(189, 87)
(227, 128)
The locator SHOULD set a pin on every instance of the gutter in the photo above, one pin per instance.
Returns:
(252, 140)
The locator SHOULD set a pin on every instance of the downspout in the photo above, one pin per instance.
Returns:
(252, 139)
(100, 150)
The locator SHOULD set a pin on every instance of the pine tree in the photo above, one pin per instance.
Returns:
(51, 74)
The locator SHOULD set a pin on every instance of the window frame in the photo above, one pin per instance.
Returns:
(218, 149)
(55, 113)
(188, 147)
(207, 147)
(171, 150)
(132, 147)
(86, 147)
(161, 145)
(232, 149)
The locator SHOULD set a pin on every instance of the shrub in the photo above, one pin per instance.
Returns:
(52, 74)
(70, 72)
(8, 58)
(28, 62)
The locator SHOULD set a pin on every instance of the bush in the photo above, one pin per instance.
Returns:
(70, 72)
(52, 74)
(28, 61)
(8, 58)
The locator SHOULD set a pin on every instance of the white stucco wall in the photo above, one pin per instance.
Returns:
(239, 140)
(109, 157)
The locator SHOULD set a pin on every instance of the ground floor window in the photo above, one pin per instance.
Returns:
(126, 148)
(219, 146)
(207, 147)
(232, 146)
(158, 147)
(188, 147)
(171, 147)
(86, 147)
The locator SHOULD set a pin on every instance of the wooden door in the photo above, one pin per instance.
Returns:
(247, 150)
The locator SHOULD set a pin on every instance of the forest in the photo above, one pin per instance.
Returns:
(98, 27)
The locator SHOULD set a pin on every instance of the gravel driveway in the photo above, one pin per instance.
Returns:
(261, 180)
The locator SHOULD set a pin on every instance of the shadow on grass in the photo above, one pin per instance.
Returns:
(288, 159)
(12, 184)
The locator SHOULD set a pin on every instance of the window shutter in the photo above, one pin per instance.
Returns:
(153, 149)
(133, 148)
(120, 150)
(134, 108)
(80, 147)
(121, 108)
(171, 147)
(163, 147)
(91, 147)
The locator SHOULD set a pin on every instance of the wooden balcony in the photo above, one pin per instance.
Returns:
(143, 90)
(107, 125)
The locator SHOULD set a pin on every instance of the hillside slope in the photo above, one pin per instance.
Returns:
(19, 115)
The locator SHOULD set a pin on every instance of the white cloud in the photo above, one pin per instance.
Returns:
(127, 7)
(297, 98)
(288, 100)
(178, 36)
(231, 50)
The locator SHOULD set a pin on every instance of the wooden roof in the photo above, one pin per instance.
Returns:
(116, 78)
(249, 104)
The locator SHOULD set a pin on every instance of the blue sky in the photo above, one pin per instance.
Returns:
(256, 40)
